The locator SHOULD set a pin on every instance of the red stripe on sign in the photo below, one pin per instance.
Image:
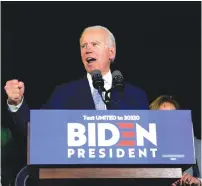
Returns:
(128, 134)
(126, 125)
(127, 143)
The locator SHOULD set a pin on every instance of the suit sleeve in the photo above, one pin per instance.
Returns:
(144, 101)
(22, 116)
(20, 119)
(139, 99)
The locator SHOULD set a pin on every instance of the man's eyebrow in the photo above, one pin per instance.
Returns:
(91, 42)
(83, 44)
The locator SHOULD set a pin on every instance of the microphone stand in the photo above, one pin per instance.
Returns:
(108, 102)
(108, 99)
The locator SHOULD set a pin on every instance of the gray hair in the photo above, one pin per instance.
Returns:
(112, 41)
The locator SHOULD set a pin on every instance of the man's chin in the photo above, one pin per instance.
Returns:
(90, 68)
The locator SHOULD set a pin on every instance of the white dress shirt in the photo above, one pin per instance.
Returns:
(14, 108)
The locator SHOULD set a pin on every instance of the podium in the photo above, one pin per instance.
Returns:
(48, 166)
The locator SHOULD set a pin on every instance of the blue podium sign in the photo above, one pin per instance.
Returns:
(72, 137)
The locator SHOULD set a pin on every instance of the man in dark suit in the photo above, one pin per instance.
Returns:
(98, 50)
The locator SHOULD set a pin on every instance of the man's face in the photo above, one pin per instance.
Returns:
(167, 106)
(95, 50)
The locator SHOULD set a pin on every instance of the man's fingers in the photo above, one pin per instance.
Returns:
(11, 89)
(14, 84)
(21, 84)
(176, 183)
(14, 90)
(15, 96)
(183, 178)
(187, 179)
(11, 82)
(191, 181)
(194, 181)
(14, 81)
(21, 87)
(10, 86)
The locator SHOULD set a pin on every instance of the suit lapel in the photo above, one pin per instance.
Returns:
(84, 97)
(115, 103)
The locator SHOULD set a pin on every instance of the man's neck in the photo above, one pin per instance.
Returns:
(104, 73)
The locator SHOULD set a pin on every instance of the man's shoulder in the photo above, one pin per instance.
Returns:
(69, 88)
(136, 96)
(131, 89)
(71, 84)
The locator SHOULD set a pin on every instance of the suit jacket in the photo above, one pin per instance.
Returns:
(77, 95)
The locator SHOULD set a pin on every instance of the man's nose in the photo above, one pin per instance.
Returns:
(88, 49)
(89, 46)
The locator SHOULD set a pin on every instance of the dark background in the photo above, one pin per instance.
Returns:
(158, 46)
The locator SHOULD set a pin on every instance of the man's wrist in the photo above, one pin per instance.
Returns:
(15, 103)
(13, 107)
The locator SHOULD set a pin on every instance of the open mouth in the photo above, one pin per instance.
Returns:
(90, 59)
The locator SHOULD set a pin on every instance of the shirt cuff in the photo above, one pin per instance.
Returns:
(14, 108)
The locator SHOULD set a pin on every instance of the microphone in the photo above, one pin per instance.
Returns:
(118, 85)
(98, 82)
(118, 81)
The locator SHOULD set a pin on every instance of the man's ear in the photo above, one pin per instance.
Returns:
(112, 53)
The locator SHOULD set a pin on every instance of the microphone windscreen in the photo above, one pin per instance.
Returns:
(118, 81)
(95, 72)
(116, 73)
(98, 82)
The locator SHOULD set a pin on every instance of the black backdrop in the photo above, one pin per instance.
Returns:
(158, 46)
